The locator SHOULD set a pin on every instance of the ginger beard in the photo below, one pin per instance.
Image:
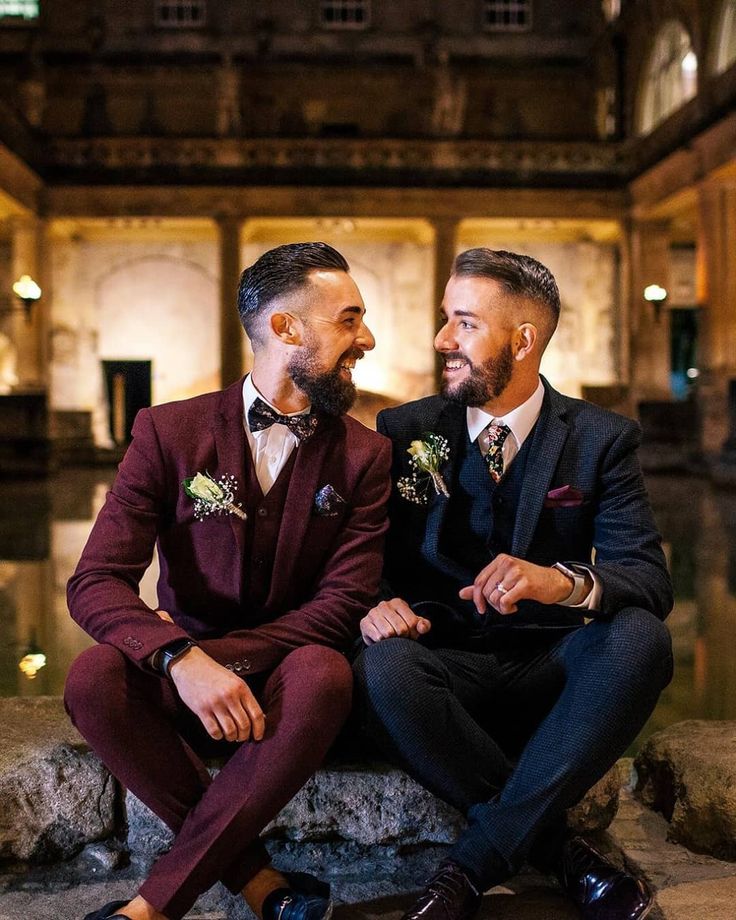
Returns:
(332, 392)
(483, 382)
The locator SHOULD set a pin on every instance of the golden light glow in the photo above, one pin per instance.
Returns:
(26, 288)
(32, 663)
(655, 293)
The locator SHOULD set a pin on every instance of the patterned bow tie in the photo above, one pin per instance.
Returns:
(491, 442)
(261, 416)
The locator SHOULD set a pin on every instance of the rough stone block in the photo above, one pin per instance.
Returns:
(688, 773)
(55, 795)
(374, 805)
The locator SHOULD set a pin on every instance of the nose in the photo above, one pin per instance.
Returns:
(444, 340)
(364, 339)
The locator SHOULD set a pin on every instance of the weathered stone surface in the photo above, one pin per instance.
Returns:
(688, 773)
(370, 806)
(380, 806)
(55, 795)
(599, 805)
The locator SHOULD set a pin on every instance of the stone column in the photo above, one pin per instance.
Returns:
(445, 244)
(649, 342)
(29, 338)
(231, 332)
(717, 297)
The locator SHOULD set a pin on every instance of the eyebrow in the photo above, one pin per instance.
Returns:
(459, 313)
(359, 310)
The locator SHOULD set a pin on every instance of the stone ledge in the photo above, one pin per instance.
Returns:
(56, 797)
(688, 773)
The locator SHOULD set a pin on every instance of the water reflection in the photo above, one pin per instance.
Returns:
(44, 525)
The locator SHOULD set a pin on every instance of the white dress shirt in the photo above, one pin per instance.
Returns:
(521, 420)
(270, 447)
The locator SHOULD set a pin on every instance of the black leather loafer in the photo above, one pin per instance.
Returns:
(599, 889)
(108, 911)
(449, 895)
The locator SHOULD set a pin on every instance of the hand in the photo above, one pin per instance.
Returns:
(522, 580)
(392, 618)
(222, 701)
(163, 615)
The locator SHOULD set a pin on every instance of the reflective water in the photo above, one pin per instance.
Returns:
(44, 525)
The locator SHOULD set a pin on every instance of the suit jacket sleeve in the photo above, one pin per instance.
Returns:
(343, 592)
(629, 558)
(103, 592)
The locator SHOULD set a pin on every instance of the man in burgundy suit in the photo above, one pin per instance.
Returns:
(267, 563)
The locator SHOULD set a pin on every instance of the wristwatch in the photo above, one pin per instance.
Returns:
(579, 590)
(169, 653)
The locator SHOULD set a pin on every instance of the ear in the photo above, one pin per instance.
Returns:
(287, 328)
(525, 340)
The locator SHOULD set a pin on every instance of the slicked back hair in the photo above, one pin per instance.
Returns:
(520, 275)
(278, 272)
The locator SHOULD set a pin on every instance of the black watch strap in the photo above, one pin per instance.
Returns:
(169, 653)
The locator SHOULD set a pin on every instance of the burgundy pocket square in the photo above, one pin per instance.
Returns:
(563, 497)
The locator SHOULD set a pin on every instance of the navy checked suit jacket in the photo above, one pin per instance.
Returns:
(573, 443)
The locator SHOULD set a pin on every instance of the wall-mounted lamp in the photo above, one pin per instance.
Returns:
(656, 295)
(33, 660)
(26, 292)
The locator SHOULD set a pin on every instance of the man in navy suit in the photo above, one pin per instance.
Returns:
(520, 646)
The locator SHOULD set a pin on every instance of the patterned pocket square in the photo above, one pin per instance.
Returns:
(327, 502)
(563, 497)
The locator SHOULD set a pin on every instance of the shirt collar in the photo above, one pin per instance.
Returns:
(520, 420)
(251, 393)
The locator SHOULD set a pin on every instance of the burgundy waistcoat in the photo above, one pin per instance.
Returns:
(265, 514)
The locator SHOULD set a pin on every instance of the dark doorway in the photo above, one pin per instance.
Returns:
(683, 350)
(128, 388)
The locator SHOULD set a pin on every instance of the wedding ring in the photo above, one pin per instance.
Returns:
(500, 588)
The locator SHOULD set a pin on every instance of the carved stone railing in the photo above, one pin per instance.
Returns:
(361, 161)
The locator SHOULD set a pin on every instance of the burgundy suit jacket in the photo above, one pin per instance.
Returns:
(326, 569)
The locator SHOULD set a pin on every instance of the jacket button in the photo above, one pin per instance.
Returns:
(246, 664)
(262, 512)
(229, 667)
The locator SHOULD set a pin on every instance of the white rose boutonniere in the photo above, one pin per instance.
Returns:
(427, 455)
(212, 497)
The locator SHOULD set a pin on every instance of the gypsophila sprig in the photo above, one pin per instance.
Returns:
(212, 497)
(427, 455)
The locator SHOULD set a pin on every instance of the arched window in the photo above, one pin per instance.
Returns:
(726, 37)
(671, 77)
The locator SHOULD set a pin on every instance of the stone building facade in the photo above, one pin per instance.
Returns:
(149, 150)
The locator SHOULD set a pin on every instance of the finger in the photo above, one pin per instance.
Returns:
(257, 718)
(385, 627)
(423, 626)
(163, 615)
(242, 720)
(211, 726)
(403, 623)
(369, 632)
(398, 605)
(228, 728)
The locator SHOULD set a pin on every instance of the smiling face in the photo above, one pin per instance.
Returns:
(335, 336)
(481, 341)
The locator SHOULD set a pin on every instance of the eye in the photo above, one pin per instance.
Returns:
(464, 324)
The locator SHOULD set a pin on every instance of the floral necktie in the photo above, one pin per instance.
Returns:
(491, 442)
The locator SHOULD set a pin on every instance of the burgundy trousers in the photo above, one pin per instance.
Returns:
(155, 746)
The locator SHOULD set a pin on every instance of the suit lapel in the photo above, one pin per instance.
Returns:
(548, 439)
(451, 425)
(231, 452)
(305, 476)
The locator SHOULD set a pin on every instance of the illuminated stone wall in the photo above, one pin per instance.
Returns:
(583, 350)
(395, 279)
(132, 300)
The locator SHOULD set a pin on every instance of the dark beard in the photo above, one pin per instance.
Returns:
(328, 392)
(484, 382)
